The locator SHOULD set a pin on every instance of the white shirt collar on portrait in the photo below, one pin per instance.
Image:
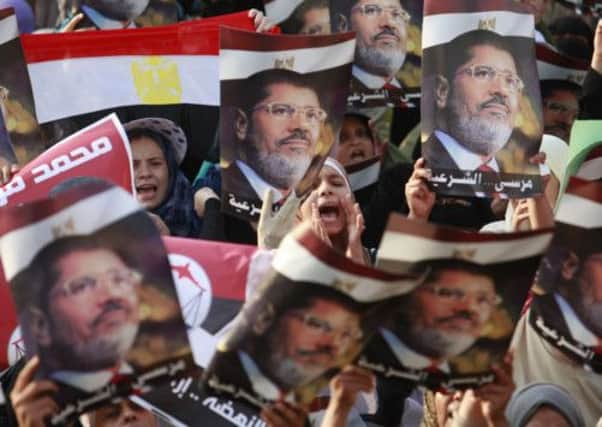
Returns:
(372, 81)
(407, 356)
(578, 330)
(103, 22)
(257, 182)
(90, 381)
(262, 385)
(465, 159)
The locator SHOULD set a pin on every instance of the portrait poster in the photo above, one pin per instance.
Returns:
(565, 310)
(458, 322)
(307, 17)
(388, 56)
(481, 105)
(16, 98)
(96, 342)
(101, 150)
(309, 317)
(282, 104)
(168, 71)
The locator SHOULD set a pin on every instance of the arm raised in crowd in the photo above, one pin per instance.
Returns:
(590, 105)
(419, 197)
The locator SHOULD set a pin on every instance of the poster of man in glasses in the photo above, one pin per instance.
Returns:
(458, 322)
(101, 314)
(386, 68)
(307, 319)
(567, 304)
(282, 103)
(481, 104)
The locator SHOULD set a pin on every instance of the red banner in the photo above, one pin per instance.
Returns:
(101, 150)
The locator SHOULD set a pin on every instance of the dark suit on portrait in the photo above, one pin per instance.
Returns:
(234, 181)
(546, 307)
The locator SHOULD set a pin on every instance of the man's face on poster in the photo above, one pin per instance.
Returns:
(309, 341)
(450, 310)
(93, 308)
(560, 110)
(482, 100)
(381, 27)
(590, 285)
(280, 134)
(121, 10)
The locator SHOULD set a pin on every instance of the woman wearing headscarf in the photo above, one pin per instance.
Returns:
(158, 148)
(539, 404)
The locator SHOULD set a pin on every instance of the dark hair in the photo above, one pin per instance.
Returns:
(294, 23)
(550, 86)
(256, 86)
(572, 25)
(31, 286)
(459, 50)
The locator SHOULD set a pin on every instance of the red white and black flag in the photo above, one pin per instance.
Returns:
(169, 71)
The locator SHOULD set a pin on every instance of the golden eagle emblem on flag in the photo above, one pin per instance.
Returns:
(157, 80)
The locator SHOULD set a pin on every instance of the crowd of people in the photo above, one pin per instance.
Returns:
(277, 129)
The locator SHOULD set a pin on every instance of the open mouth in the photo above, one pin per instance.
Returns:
(358, 154)
(329, 213)
(146, 191)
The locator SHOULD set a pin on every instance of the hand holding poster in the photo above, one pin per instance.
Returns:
(310, 317)
(458, 321)
(282, 103)
(566, 306)
(481, 103)
(95, 304)
(101, 150)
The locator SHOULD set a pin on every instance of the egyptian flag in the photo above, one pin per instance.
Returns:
(552, 64)
(169, 71)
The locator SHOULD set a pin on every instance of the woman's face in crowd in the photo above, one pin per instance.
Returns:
(328, 194)
(355, 142)
(150, 172)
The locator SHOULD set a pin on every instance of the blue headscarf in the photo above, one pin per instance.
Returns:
(177, 209)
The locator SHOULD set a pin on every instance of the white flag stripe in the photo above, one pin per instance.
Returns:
(97, 83)
(591, 170)
(407, 248)
(297, 263)
(450, 25)
(305, 60)
(547, 70)
(279, 10)
(579, 211)
(9, 29)
(88, 216)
